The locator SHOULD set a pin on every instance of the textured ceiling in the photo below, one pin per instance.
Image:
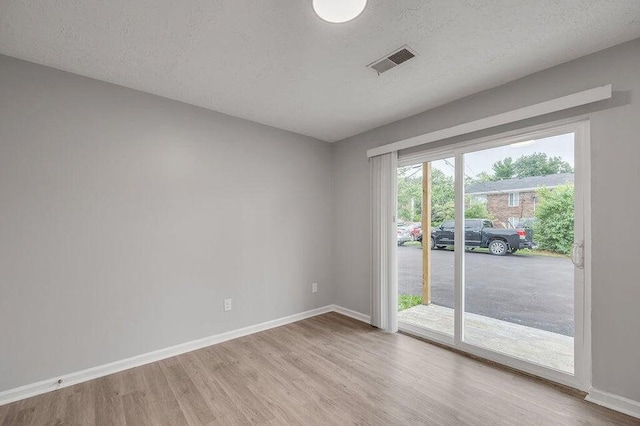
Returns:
(275, 62)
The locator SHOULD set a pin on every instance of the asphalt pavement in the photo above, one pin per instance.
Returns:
(536, 291)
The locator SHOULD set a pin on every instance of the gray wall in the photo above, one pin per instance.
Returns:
(615, 150)
(126, 219)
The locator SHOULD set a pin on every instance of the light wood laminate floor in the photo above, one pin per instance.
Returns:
(328, 369)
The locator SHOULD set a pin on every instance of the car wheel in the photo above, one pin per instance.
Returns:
(433, 243)
(498, 247)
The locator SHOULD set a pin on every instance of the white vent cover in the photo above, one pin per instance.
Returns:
(392, 60)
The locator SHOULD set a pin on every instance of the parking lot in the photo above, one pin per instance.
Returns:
(535, 291)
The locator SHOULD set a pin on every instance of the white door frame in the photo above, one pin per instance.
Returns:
(580, 126)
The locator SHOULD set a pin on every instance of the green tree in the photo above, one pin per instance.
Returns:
(539, 164)
(536, 164)
(442, 189)
(504, 169)
(480, 178)
(410, 188)
(442, 212)
(409, 196)
(442, 198)
(476, 210)
(553, 228)
(446, 211)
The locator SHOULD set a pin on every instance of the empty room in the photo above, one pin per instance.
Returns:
(319, 212)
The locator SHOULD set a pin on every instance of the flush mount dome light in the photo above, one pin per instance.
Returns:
(338, 11)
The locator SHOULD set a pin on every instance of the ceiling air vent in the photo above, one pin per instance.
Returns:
(393, 60)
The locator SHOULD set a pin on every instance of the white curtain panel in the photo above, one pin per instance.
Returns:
(384, 276)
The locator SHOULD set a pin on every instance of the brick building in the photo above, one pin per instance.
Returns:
(511, 200)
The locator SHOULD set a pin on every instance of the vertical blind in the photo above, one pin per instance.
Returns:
(384, 277)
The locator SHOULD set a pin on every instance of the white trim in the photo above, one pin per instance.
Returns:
(424, 333)
(352, 314)
(459, 257)
(559, 104)
(614, 402)
(540, 131)
(606, 399)
(522, 365)
(71, 379)
(493, 356)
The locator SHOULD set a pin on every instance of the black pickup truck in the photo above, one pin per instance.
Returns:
(481, 233)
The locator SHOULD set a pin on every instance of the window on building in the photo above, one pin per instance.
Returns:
(514, 199)
(513, 222)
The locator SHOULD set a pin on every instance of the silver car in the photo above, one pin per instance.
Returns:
(403, 234)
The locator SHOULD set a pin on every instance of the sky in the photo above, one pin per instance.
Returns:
(482, 161)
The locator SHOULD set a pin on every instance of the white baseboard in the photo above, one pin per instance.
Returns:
(615, 402)
(70, 379)
(606, 399)
(353, 314)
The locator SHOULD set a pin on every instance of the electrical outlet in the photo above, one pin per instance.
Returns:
(227, 305)
(314, 287)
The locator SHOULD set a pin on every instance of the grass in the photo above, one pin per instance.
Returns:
(536, 252)
(413, 244)
(526, 252)
(405, 301)
(521, 252)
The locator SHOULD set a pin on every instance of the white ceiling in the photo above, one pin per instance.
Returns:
(275, 62)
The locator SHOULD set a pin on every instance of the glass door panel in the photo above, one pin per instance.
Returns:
(426, 197)
(518, 233)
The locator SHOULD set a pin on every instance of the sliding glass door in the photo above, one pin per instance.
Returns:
(491, 254)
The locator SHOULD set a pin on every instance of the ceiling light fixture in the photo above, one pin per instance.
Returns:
(338, 11)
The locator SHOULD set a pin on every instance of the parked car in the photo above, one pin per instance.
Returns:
(481, 233)
(415, 230)
(403, 234)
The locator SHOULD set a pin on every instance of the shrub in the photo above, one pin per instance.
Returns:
(476, 210)
(553, 228)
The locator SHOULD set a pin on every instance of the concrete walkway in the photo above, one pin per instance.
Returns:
(531, 344)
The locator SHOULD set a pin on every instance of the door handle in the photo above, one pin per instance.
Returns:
(577, 254)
